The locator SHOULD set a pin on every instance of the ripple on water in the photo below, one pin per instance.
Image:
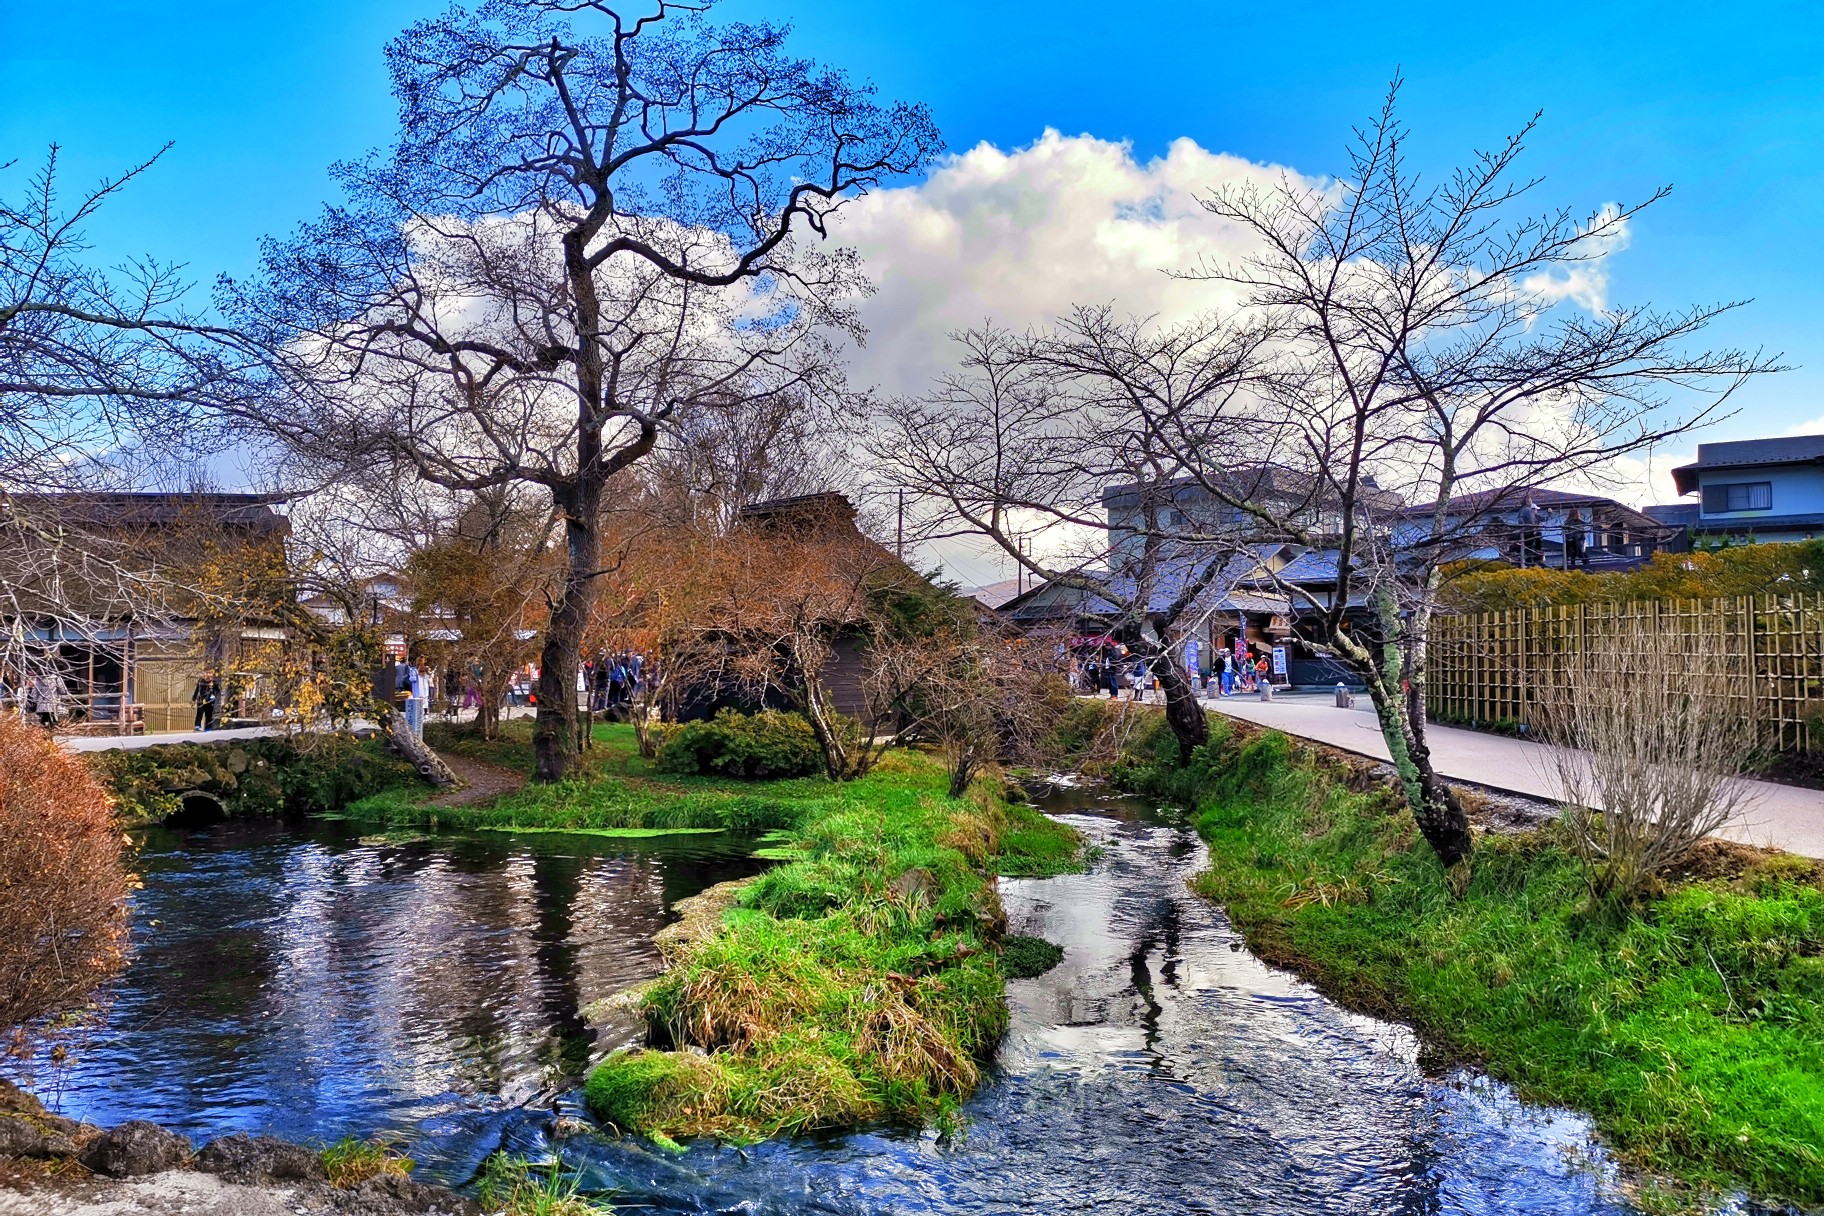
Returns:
(1159, 1069)
(304, 983)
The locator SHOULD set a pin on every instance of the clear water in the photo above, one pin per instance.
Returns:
(303, 982)
(313, 985)
(1161, 1068)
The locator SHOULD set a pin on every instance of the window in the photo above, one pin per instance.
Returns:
(1738, 496)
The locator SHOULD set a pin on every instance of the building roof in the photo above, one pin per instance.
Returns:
(1744, 453)
(1513, 498)
(1002, 593)
(134, 509)
(1264, 481)
(1675, 514)
(826, 504)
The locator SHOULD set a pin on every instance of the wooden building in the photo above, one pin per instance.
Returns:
(107, 593)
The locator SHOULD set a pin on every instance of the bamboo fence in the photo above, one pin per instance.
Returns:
(1761, 656)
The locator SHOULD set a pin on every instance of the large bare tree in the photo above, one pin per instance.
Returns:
(1429, 342)
(1406, 345)
(592, 224)
(103, 378)
(1061, 449)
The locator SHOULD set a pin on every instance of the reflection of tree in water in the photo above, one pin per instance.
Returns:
(1158, 931)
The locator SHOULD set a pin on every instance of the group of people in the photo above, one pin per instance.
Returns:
(1530, 529)
(41, 696)
(610, 682)
(1237, 671)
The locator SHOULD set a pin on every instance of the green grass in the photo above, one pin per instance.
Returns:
(1691, 1030)
(861, 981)
(1025, 957)
(513, 1186)
(613, 789)
(351, 1161)
(608, 833)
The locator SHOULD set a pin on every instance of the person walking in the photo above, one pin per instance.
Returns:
(205, 696)
(1137, 681)
(1532, 541)
(1228, 673)
(42, 698)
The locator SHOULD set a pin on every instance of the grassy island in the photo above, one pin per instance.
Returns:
(1690, 1027)
(861, 979)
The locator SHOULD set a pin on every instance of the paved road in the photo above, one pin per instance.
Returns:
(109, 743)
(1781, 816)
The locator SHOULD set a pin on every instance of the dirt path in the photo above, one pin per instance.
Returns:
(481, 782)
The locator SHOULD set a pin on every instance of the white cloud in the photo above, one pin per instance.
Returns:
(1585, 283)
(1019, 236)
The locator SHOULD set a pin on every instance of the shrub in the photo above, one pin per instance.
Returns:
(766, 744)
(63, 883)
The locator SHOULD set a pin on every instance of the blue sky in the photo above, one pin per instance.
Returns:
(1726, 103)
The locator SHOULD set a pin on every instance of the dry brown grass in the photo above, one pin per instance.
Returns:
(63, 881)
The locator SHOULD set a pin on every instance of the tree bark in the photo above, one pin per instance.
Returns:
(429, 764)
(554, 741)
(1182, 713)
(1399, 705)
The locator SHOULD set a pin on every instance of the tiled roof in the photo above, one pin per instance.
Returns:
(1747, 453)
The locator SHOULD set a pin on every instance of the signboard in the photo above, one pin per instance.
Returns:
(1279, 662)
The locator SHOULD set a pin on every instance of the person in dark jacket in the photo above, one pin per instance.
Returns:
(204, 696)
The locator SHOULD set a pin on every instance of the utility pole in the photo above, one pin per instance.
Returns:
(899, 535)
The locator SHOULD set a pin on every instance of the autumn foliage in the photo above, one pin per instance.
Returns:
(63, 881)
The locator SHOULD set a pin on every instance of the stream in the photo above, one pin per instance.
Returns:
(312, 984)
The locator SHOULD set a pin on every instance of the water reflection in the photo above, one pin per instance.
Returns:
(302, 982)
(1160, 1069)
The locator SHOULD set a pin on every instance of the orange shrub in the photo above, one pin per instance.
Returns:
(63, 879)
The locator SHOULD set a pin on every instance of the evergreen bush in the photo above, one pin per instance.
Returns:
(750, 746)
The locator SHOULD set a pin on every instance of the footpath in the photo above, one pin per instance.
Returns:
(1778, 816)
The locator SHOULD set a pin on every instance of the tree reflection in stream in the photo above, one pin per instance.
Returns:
(1161, 1068)
(304, 983)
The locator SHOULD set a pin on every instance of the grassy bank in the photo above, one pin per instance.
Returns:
(861, 981)
(1692, 1031)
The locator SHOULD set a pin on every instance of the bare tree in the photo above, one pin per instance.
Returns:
(988, 696)
(103, 376)
(1649, 760)
(588, 229)
(1429, 342)
(1064, 450)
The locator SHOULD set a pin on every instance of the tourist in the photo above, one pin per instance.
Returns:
(43, 696)
(1532, 543)
(1575, 551)
(418, 686)
(205, 696)
(1137, 681)
(1228, 673)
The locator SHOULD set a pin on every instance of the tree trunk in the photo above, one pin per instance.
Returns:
(1182, 713)
(429, 764)
(1399, 704)
(554, 740)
